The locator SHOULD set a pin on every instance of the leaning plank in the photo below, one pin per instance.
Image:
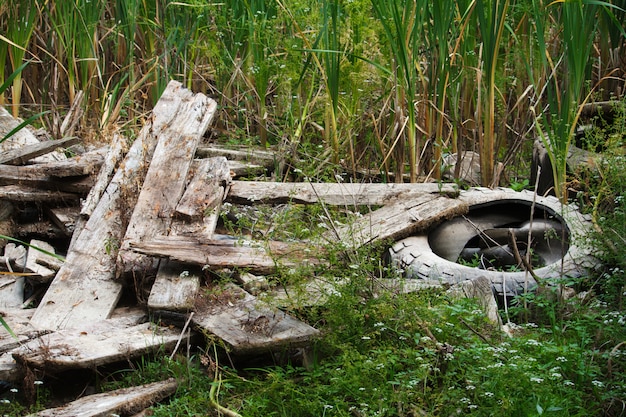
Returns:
(400, 219)
(165, 181)
(22, 137)
(248, 325)
(22, 155)
(112, 159)
(226, 253)
(85, 164)
(124, 401)
(351, 194)
(176, 285)
(96, 344)
(85, 289)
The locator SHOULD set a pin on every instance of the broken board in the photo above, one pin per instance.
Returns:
(85, 289)
(246, 324)
(121, 402)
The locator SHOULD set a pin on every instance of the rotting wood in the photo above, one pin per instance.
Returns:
(115, 154)
(85, 289)
(22, 137)
(96, 344)
(246, 324)
(243, 169)
(43, 265)
(260, 258)
(85, 164)
(124, 401)
(343, 194)
(165, 182)
(265, 158)
(176, 285)
(30, 194)
(64, 218)
(22, 155)
(400, 219)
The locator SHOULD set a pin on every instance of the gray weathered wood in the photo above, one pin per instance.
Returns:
(22, 137)
(400, 219)
(85, 289)
(226, 253)
(64, 217)
(114, 156)
(96, 344)
(30, 194)
(265, 158)
(85, 164)
(165, 182)
(176, 285)
(22, 155)
(124, 401)
(206, 189)
(350, 194)
(246, 324)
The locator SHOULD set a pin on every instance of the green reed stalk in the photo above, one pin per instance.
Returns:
(491, 17)
(331, 58)
(402, 23)
(565, 76)
(440, 31)
(20, 24)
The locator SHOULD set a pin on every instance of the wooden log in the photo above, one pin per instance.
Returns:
(22, 155)
(400, 219)
(124, 401)
(43, 265)
(227, 253)
(176, 285)
(85, 289)
(165, 182)
(342, 194)
(248, 325)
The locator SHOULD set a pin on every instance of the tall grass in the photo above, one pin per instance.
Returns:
(20, 20)
(402, 23)
(564, 78)
(395, 83)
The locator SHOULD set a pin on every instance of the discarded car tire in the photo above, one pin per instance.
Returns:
(432, 254)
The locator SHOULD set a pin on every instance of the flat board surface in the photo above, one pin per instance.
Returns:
(125, 401)
(246, 324)
(85, 289)
(350, 194)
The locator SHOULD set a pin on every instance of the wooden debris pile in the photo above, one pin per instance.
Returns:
(149, 211)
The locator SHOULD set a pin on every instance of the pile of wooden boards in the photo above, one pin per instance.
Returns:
(150, 210)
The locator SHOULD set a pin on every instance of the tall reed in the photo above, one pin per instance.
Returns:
(491, 16)
(402, 23)
(564, 76)
(21, 17)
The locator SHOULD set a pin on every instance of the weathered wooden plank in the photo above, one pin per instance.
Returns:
(30, 194)
(64, 217)
(206, 189)
(21, 138)
(85, 164)
(246, 324)
(243, 169)
(400, 219)
(350, 194)
(176, 285)
(165, 182)
(85, 289)
(22, 155)
(124, 401)
(247, 154)
(231, 253)
(115, 154)
(96, 344)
